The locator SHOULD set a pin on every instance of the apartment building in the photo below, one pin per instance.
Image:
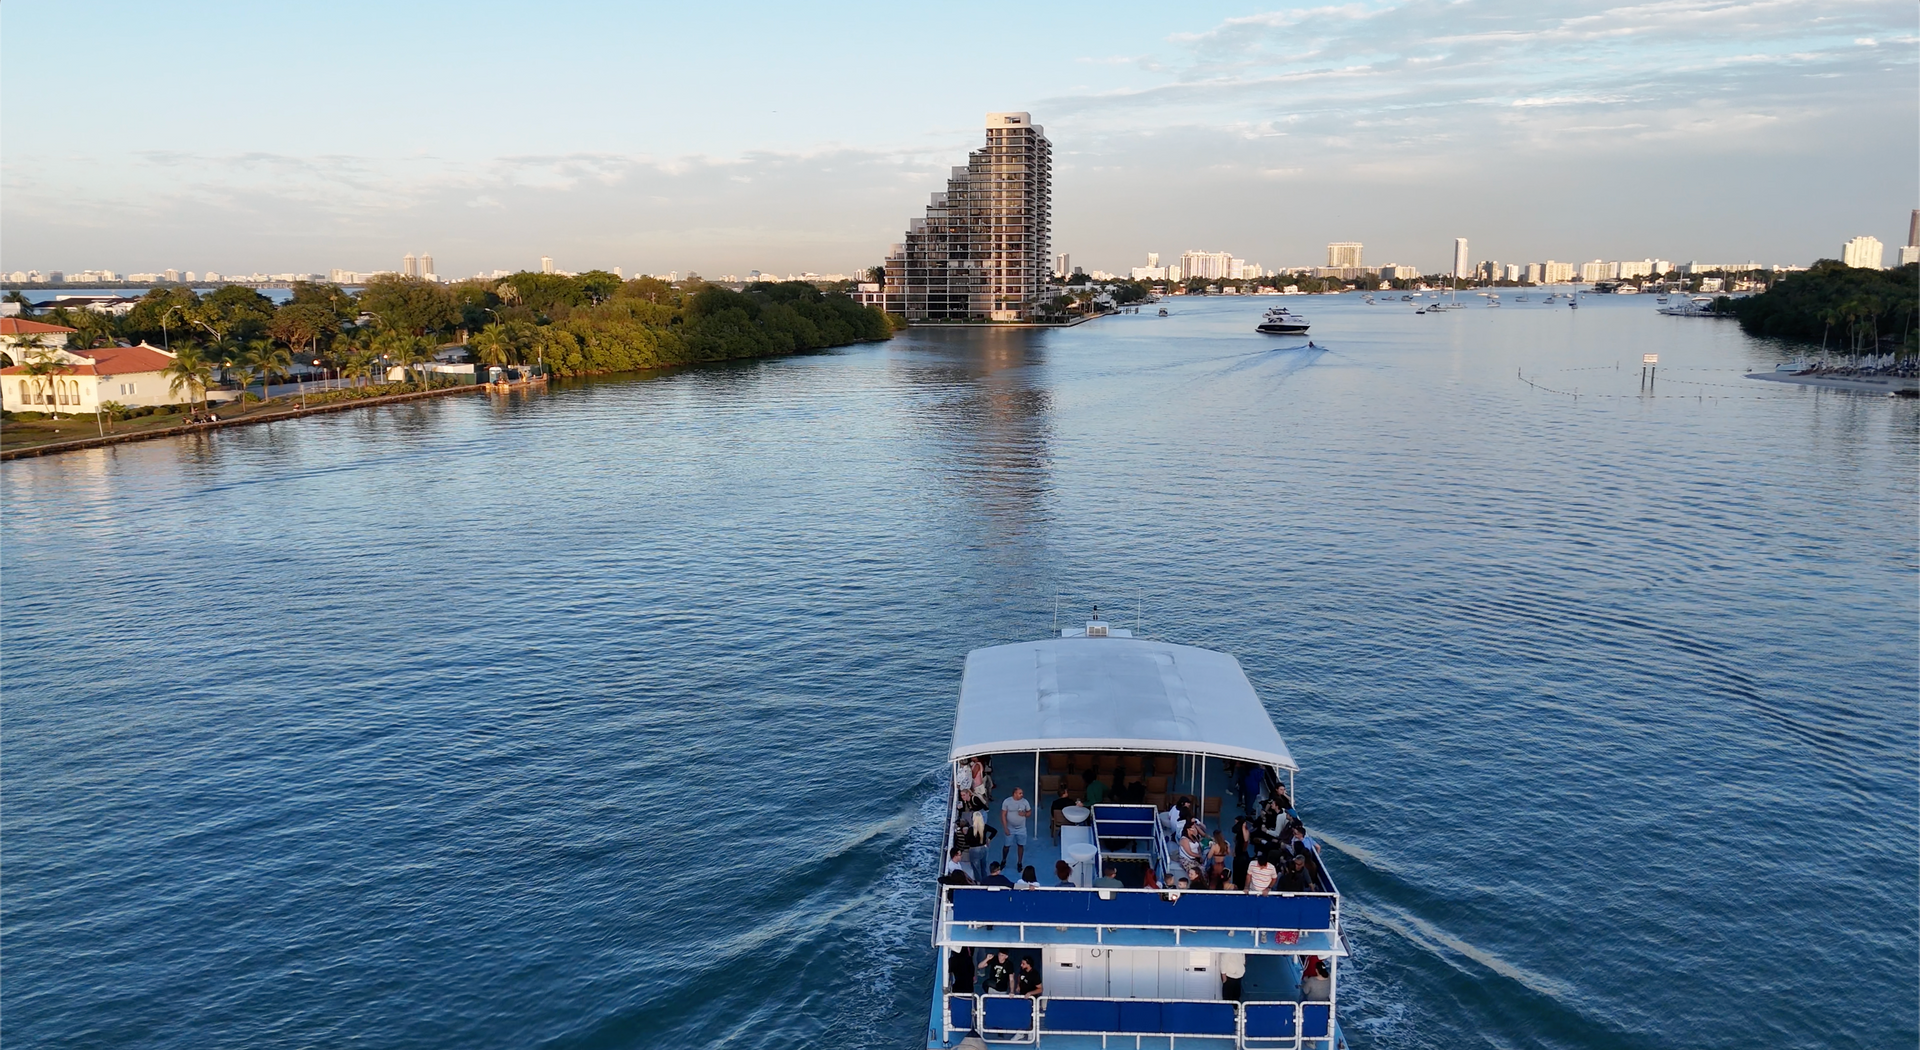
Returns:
(985, 246)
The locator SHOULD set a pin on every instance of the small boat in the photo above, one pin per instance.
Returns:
(1698, 306)
(1163, 311)
(1281, 321)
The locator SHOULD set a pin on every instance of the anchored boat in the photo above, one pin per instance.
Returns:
(1105, 766)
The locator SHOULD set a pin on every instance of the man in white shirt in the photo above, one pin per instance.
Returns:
(1233, 966)
(1013, 821)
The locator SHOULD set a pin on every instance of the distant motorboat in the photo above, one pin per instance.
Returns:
(1698, 306)
(1163, 311)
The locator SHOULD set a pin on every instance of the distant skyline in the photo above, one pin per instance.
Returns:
(781, 139)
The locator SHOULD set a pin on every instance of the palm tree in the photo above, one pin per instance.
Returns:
(189, 369)
(40, 362)
(271, 360)
(491, 344)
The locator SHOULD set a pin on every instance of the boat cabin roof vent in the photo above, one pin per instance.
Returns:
(1096, 629)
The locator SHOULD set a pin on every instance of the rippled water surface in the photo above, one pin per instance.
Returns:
(613, 717)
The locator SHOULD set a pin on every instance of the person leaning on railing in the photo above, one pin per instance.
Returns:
(1262, 874)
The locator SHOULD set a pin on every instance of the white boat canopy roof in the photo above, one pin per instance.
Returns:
(1112, 694)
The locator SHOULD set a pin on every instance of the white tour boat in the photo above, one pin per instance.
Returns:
(1110, 941)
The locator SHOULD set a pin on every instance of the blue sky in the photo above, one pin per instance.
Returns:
(726, 138)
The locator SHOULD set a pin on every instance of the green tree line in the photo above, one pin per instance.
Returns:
(574, 325)
(1847, 308)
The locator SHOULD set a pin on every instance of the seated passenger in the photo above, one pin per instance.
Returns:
(997, 876)
(1297, 879)
(957, 864)
(1029, 879)
(1026, 979)
(1060, 802)
(1300, 842)
(1192, 854)
(1064, 872)
(1096, 790)
(1110, 880)
(1316, 981)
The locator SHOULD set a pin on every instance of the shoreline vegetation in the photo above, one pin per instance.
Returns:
(565, 325)
(1844, 309)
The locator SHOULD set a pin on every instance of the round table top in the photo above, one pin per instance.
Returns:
(1076, 814)
(1080, 852)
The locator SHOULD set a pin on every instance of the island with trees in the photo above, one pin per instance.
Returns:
(563, 325)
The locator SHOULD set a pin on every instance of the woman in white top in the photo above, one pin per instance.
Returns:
(1192, 854)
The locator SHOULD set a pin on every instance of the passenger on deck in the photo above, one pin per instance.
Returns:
(1192, 854)
(1029, 879)
(1219, 862)
(1233, 967)
(998, 972)
(1064, 872)
(1280, 797)
(957, 864)
(1013, 820)
(1110, 880)
(1242, 848)
(1316, 981)
(982, 782)
(1096, 790)
(963, 782)
(1136, 793)
(997, 876)
(1300, 842)
(1060, 803)
(960, 966)
(1026, 979)
(1261, 875)
(1267, 832)
(973, 834)
(1297, 878)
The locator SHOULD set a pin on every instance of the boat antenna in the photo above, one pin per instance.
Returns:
(1139, 607)
(1056, 614)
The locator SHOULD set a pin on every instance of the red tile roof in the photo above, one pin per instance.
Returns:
(109, 361)
(22, 326)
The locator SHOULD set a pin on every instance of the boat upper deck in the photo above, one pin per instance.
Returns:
(1100, 689)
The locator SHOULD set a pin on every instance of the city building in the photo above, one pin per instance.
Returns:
(426, 267)
(86, 379)
(1396, 272)
(1555, 272)
(1460, 267)
(1063, 265)
(984, 248)
(1599, 271)
(546, 264)
(409, 266)
(1864, 252)
(172, 276)
(1512, 273)
(1341, 254)
(1535, 274)
(1909, 253)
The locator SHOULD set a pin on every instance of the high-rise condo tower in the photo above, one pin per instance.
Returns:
(1461, 267)
(983, 251)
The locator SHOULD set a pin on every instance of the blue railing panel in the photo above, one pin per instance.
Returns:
(1136, 1016)
(1082, 1015)
(1086, 908)
(960, 1012)
(1313, 1020)
(1006, 1013)
(1197, 1018)
(1269, 1020)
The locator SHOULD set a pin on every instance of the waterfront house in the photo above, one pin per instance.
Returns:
(85, 379)
(14, 329)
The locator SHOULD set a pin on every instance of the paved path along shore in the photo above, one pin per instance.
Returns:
(190, 428)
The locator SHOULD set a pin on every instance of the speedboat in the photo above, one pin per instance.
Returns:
(1163, 311)
(1281, 321)
(1125, 936)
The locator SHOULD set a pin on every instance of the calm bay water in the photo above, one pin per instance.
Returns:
(614, 717)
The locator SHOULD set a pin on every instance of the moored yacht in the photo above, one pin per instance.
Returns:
(1102, 767)
(1282, 321)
